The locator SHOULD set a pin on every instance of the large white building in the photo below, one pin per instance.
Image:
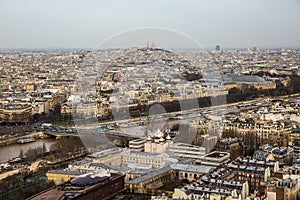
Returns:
(137, 145)
(187, 150)
(160, 144)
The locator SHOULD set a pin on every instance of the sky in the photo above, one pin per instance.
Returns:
(87, 23)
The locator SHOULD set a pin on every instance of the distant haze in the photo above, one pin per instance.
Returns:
(86, 23)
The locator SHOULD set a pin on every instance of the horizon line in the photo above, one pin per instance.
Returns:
(89, 48)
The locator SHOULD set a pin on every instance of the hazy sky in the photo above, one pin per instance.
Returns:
(86, 23)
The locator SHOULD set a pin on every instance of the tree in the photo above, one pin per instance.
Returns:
(20, 190)
(21, 154)
(44, 148)
(50, 158)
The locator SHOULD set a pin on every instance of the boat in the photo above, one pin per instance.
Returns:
(25, 140)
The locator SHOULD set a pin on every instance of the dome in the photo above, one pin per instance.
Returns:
(161, 139)
(158, 134)
(168, 137)
(149, 138)
(270, 157)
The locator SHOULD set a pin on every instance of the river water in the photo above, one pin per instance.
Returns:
(13, 150)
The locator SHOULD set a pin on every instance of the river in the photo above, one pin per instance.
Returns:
(13, 150)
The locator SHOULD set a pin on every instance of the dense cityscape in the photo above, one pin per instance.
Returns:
(150, 100)
(150, 123)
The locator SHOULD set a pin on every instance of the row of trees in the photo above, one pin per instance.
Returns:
(33, 153)
(65, 147)
(62, 148)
